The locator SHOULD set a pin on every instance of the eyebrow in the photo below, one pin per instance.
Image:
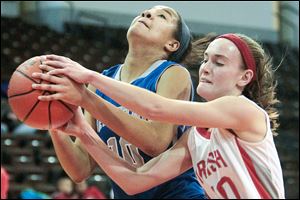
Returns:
(217, 55)
(167, 11)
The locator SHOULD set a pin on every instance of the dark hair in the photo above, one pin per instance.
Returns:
(183, 35)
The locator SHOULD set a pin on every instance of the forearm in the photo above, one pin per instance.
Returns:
(141, 133)
(136, 99)
(115, 167)
(158, 170)
(72, 159)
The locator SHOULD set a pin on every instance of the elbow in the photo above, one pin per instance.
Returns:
(132, 189)
(131, 192)
(78, 178)
(154, 151)
(157, 149)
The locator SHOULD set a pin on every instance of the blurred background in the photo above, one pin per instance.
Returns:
(94, 34)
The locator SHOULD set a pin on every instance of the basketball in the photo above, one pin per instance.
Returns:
(24, 102)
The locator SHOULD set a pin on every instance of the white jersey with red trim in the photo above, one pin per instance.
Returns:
(228, 167)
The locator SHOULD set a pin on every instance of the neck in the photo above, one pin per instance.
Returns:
(136, 63)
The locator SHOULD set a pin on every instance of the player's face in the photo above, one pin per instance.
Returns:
(155, 25)
(220, 71)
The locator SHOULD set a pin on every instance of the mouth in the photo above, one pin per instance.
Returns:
(144, 23)
(204, 80)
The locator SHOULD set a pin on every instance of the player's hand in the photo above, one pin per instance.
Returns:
(75, 125)
(62, 88)
(62, 65)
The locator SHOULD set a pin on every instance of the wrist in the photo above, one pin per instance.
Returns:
(85, 129)
(89, 76)
(85, 100)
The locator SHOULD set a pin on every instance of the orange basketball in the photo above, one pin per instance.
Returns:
(24, 102)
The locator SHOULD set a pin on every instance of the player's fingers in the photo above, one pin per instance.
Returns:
(55, 63)
(43, 58)
(46, 67)
(47, 87)
(56, 72)
(56, 57)
(51, 97)
(47, 77)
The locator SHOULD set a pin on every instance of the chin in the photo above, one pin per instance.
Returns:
(201, 92)
(137, 35)
(204, 93)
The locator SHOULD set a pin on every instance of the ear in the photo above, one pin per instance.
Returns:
(172, 46)
(245, 78)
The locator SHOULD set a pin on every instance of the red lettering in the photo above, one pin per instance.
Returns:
(219, 157)
(214, 161)
(201, 170)
(211, 161)
(222, 191)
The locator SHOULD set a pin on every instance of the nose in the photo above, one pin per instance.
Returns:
(146, 14)
(204, 68)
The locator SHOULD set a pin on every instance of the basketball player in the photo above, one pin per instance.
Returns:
(230, 145)
(158, 40)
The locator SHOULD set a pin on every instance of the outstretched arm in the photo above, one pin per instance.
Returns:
(132, 180)
(225, 112)
(151, 136)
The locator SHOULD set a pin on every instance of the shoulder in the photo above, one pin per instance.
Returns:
(252, 118)
(235, 101)
(176, 73)
(175, 82)
(238, 109)
(240, 105)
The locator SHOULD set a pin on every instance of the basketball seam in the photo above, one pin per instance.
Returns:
(41, 81)
(31, 110)
(15, 95)
(70, 109)
(27, 76)
(49, 114)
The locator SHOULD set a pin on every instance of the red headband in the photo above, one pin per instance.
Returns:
(245, 51)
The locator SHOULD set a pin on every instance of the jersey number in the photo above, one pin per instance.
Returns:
(130, 152)
(224, 185)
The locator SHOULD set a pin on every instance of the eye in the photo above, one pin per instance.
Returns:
(162, 16)
(203, 61)
(219, 64)
(143, 15)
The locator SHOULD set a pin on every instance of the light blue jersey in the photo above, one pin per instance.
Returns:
(184, 186)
